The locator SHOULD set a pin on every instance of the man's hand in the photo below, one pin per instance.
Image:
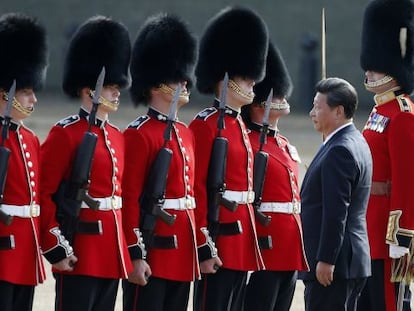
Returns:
(210, 265)
(324, 273)
(66, 264)
(396, 251)
(141, 272)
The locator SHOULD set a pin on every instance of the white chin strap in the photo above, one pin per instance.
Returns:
(370, 85)
(281, 105)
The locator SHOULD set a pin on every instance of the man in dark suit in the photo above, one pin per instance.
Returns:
(334, 195)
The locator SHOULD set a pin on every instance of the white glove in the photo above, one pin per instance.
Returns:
(397, 251)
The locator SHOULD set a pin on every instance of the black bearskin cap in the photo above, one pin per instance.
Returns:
(23, 52)
(277, 77)
(98, 42)
(164, 52)
(381, 48)
(235, 41)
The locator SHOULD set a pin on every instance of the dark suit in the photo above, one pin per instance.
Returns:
(334, 195)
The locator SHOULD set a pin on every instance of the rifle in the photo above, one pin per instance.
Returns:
(216, 185)
(153, 196)
(73, 192)
(5, 152)
(260, 166)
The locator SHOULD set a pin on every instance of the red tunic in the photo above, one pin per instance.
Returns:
(240, 251)
(391, 139)
(281, 186)
(22, 265)
(144, 137)
(104, 255)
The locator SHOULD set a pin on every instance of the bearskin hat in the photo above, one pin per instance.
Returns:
(235, 41)
(98, 42)
(23, 52)
(277, 77)
(164, 52)
(388, 38)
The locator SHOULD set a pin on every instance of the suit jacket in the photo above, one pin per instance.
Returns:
(334, 195)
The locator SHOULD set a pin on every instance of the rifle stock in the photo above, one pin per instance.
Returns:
(216, 185)
(259, 174)
(4, 163)
(73, 192)
(79, 180)
(154, 195)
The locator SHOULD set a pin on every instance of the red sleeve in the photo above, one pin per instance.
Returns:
(203, 136)
(138, 159)
(56, 154)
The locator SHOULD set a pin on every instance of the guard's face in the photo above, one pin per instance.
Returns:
(241, 93)
(373, 76)
(111, 94)
(323, 116)
(167, 91)
(26, 100)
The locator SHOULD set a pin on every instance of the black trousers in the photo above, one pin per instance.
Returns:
(16, 297)
(270, 291)
(373, 295)
(341, 295)
(85, 293)
(221, 291)
(157, 295)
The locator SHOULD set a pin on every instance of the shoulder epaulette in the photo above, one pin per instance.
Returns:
(138, 122)
(68, 120)
(206, 113)
(404, 104)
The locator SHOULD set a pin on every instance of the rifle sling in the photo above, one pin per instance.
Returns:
(89, 227)
(7, 242)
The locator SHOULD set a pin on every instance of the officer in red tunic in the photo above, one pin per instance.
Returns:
(166, 263)
(387, 58)
(23, 58)
(281, 238)
(235, 41)
(99, 242)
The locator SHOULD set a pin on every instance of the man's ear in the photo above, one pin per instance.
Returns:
(340, 112)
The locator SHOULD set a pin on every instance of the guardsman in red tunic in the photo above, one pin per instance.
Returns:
(23, 59)
(235, 42)
(387, 57)
(280, 237)
(98, 242)
(158, 184)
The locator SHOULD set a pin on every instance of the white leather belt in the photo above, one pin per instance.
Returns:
(279, 207)
(24, 211)
(180, 203)
(106, 204)
(240, 197)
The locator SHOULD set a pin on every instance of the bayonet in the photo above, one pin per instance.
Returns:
(172, 114)
(222, 105)
(265, 122)
(7, 114)
(96, 95)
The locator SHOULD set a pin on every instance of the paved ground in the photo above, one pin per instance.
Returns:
(296, 127)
